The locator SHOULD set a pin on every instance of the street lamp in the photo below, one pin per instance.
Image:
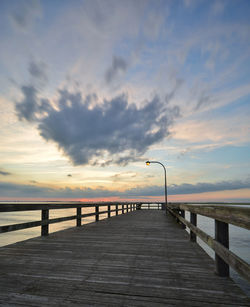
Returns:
(165, 173)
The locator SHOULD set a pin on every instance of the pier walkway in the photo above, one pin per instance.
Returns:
(142, 258)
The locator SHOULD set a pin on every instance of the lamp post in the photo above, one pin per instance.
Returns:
(165, 173)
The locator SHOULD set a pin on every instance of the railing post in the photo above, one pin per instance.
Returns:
(182, 214)
(127, 208)
(193, 220)
(122, 208)
(116, 209)
(108, 211)
(45, 217)
(78, 217)
(221, 235)
(97, 213)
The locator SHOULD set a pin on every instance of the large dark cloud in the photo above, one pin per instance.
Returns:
(119, 65)
(113, 131)
(31, 191)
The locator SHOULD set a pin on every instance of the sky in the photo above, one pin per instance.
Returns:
(90, 90)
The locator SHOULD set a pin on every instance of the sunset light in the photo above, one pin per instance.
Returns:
(90, 90)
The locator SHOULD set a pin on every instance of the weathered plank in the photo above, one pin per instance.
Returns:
(138, 259)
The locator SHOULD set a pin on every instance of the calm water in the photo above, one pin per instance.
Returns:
(8, 218)
(239, 238)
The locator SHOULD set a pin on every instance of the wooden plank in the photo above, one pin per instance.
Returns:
(137, 259)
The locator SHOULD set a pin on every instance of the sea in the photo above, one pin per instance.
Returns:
(239, 238)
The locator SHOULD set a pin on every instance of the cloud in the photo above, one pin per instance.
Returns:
(123, 176)
(27, 108)
(202, 187)
(37, 70)
(207, 132)
(33, 191)
(218, 7)
(25, 13)
(3, 173)
(114, 131)
(119, 65)
(204, 99)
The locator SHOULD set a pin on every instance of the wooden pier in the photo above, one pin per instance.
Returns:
(142, 258)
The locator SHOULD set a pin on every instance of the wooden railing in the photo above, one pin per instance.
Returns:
(156, 205)
(223, 216)
(45, 221)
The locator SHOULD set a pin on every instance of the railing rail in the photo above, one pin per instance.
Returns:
(45, 221)
(223, 216)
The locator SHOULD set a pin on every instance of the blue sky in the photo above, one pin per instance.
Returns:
(90, 90)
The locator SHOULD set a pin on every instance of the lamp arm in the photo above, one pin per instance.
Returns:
(165, 173)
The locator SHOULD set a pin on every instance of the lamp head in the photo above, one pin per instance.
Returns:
(147, 162)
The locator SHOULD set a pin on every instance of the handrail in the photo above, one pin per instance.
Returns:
(30, 206)
(238, 216)
(44, 208)
(223, 215)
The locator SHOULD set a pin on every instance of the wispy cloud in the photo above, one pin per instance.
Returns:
(124, 176)
(119, 65)
(37, 70)
(25, 13)
(218, 7)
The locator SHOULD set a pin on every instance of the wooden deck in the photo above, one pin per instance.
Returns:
(139, 259)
